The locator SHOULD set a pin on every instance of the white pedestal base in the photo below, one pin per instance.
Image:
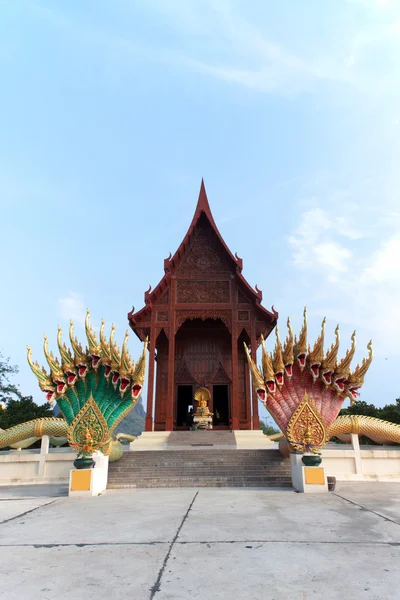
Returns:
(307, 480)
(89, 482)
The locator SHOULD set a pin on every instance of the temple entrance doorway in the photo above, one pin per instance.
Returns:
(184, 406)
(221, 406)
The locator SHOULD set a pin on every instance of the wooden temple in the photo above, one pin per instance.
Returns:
(197, 319)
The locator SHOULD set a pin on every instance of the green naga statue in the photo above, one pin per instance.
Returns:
(95, 388)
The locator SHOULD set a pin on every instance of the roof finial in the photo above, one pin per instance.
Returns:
(202, 203)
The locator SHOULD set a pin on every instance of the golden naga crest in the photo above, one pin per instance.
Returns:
(297, 371)
(89, 429)
(95, 387)
(77, 365)
(306, 430)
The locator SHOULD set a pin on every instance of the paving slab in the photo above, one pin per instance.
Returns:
(73, 573)
(281, 571)
(10, 509)
(127, 516)
(268, 515)
(384, 498)
(206, 543)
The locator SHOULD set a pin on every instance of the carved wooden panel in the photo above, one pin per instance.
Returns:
(219, 375)
(202, 291)
(162, 315)
(184, 376)
(201, 349)
(224, 315)
(158, 330)
(164, 298)
(242, 298)
(243, 315)
(205, 254)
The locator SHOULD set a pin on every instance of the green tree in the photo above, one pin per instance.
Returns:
(268, 429)
(391, 412)
(8, 391)
(360, 407)
(22, 410)
(19, 409)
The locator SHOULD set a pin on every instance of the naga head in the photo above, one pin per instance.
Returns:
(115, 354)
(94, 348)
(342, 371)
(56, 372)
(126, 367)
(300, 345)
(267, 369)
(105, 351)
(67, 361)
(316, 355)
(45, 382)
(81, 358)
(278, 364)
(329, 363)
(257, 380)
(356, 379)
(288, 353)
(138, 374)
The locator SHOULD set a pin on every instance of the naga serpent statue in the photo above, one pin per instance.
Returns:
(94, 388)
(304, 389)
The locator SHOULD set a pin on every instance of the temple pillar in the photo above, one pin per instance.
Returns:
(235, 386)
(150, 381)
(169, 421)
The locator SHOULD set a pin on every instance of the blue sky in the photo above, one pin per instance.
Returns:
(110, 114)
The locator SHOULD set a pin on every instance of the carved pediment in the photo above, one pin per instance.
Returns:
(219, 375)
(164, 299)
(242, 298)
(205, 255)
(184, 376)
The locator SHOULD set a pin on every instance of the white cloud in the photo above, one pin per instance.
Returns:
(358, 285)
(72, 307)
(332, 255)
(384, 265)
(313, 244)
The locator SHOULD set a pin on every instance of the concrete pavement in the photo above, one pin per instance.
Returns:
(206, 543)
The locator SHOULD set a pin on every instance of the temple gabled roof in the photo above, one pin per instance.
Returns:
(172, 262)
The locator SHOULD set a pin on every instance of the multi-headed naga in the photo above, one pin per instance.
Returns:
(304, 389)
(95, 388)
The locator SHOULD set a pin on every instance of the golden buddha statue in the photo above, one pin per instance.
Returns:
(203, 417)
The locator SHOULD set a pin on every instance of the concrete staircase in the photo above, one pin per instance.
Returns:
(202, 467)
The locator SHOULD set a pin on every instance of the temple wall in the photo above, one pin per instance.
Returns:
(371, 463)
(36, 466)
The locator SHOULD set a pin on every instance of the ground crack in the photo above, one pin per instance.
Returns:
(156, 586)
(367, 509)
(27, 512)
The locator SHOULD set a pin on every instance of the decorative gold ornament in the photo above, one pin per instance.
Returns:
(306, 430)
(88, 423)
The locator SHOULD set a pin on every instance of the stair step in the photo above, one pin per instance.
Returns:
(200, 468)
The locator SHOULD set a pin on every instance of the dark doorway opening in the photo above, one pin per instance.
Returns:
(184, 406)
(221, 405)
